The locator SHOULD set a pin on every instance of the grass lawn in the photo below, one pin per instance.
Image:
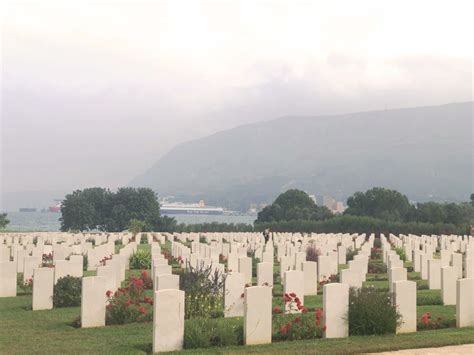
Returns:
(25, 331)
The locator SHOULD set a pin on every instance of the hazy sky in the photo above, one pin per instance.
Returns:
(94, 92)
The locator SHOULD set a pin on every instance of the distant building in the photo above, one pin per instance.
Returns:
(340, 208)
(336, 207)
(330, 202)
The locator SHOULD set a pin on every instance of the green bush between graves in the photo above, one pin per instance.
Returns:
(67, 292)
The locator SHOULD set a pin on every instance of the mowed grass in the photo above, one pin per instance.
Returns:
(23, 331)
(45, 332)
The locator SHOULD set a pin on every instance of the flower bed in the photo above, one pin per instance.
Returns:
(131, 303)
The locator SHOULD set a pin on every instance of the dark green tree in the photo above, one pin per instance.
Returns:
(78, 212)
(101, 209)
(293, 205)
(3, 220)
(380, 203)
(134, 203)
(450, 213)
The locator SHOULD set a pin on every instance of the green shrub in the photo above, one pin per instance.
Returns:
(204, 290)
(312, 252)
(141, 260)
(361, 224)
(377, 268)
(350, 255)
(130, 304)
(67, 292)
(414, 276)
(376, 254)
(377, 243)
(296, 326)
(207, 332)
(427, 299)
(422, 286)
(401, 254)
(372, 312)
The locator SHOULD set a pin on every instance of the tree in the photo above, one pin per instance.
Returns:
(135, 226)
(472, 199)
(293, 205)
(380, 203)
(77, 213)
(101, 209)
(134, 203)
(3, 220)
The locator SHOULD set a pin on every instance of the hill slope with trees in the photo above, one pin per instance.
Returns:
(425, 152)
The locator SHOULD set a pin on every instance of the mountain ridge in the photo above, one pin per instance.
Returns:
(252, 163)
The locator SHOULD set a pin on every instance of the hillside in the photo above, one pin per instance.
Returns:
(423, 152)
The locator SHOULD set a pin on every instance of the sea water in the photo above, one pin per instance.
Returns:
(49, 222)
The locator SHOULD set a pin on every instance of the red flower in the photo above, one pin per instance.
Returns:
(317, 322)
(108, 293)
(297, 320)
(318, 313)
(142, 310)
(128, 303)
(138, 283)
(425, 318)
(283, 330)
(144, 274)
(304, 310)
(324, 328)
(293, 294)
(276, 310)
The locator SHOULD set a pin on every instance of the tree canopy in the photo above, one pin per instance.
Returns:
(102, 209)
(377, 209)
(293, 205)
(3, 220)
(380, 203)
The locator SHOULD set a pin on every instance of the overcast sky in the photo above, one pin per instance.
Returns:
(94, 92)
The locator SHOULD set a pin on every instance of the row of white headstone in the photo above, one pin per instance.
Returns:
(299, 276)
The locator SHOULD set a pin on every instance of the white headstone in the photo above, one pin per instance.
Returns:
(405, 299)
(336, 309)
(258, 315)
(93, 301)
(168, 320)
(233, 295)
(8, 278)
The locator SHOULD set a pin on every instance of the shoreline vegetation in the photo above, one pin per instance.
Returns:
(377, 210)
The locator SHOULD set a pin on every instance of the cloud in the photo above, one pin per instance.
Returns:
(94, 92)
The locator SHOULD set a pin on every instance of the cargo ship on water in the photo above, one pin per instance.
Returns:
(190, 209)
(27, 209)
